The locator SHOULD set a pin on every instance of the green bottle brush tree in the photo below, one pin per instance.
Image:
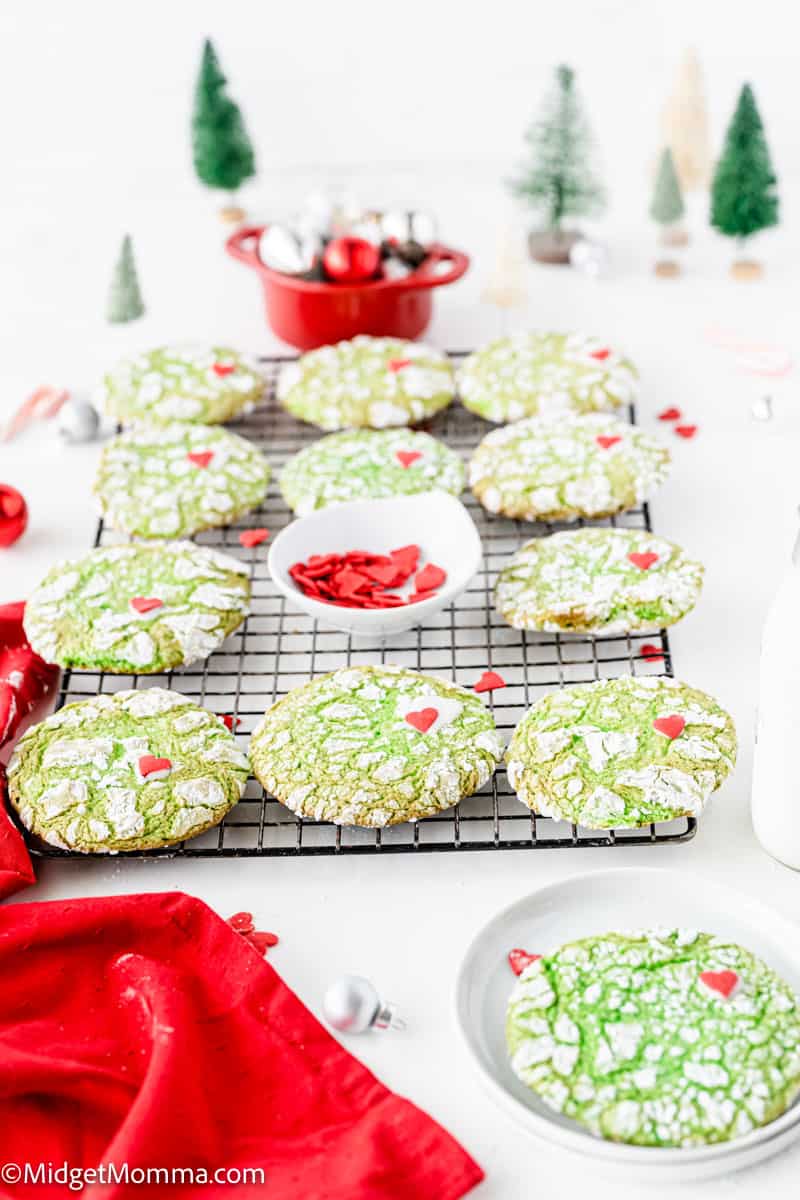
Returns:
(221, 148)
(667, 209)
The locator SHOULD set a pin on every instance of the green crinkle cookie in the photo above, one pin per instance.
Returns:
(561, 468)
(131, 770)
(530, 374)
(598, 580)
(620, 753)
(345, 748)
(367, 382)
(137, 608)
(205, 384)
(174, 480)
(668, 1037)
(368, 464)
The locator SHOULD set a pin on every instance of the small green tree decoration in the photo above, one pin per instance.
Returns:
(222, 151)
(560, 182)
(124, 298)
(667, 205)
(743, 196)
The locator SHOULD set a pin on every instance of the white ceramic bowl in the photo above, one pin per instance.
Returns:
(591, 904)
(435, 521)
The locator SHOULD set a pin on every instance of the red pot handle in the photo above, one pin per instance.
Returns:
(237, 248)
(428, 278)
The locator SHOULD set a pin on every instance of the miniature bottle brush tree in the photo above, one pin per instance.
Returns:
(222, 151)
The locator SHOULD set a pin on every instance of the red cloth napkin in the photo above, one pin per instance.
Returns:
(24, 680)
(144, 1030)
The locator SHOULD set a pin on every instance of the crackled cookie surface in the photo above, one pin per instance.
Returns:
(367, 382)
(373, 746)
(621, 753)
(598, 580)
(206, 384)
(131, 770)
(530, 374)
(137, 608)
(174, 480)
(561, 468)
(367, 464)
(665, 1037)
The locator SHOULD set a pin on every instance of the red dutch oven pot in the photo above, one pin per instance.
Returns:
(308, 314)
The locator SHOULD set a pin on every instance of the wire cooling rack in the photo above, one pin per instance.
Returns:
(278, 648)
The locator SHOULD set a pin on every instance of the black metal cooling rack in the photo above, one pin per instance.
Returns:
(278, 648)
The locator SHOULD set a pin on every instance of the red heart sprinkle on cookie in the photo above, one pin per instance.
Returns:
(397, 364)
(200, 458)
(407, 457)
(600, 355)
(723, 982)
(607, 441)
(643, 561)
(223, 369)
(423, 719)
(149, 765)
(686, 431)
(429, 578)
(672, 727)
(253, 537)
(518, 960)
(650, 653)
(488, 682)
(146, 604)
(670, 414)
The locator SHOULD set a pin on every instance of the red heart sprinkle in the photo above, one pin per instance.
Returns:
(643, 561)
(423, 719)
(720, 981)
(222, 369)
(429, 578)
(488, 681)
(686, 431)
(406, 558)
(407, 457)
(672, 727)
(242, 922)
(518, 960)
(397, 364)
(670, 414)
(415, 597)
(650, 652)
(149, 765)
(230, 721)
(253, 537)
(146, 604)
(200, 458)
(261, 940)
(383, 573)
(608, 442)
(600, 354)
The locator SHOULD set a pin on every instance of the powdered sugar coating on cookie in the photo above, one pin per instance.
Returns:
(562, 468)
(598, 580)
(174, 480)
(545, 374)
(84, 778)
(373, 746)
(665, 1037)
(367, 382)
(620, 753)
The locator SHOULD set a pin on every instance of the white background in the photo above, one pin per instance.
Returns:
(424, 105)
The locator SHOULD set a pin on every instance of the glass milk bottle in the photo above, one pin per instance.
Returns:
(776, 762)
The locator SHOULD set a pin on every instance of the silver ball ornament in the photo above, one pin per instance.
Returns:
(287, 250)
(590, 258)
(77, 421)
(352, 1005)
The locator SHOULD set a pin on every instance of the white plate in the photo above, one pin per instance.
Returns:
(594, 904)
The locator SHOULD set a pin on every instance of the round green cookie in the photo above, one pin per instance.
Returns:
(181, 383)
(374, 746)
(137, 608)
(667, 1037)
(530, 374)
(620, 753)
(561, 468)
(126, 771)
(598, 580)
(367, 383)
(174, 480)
(367, 464)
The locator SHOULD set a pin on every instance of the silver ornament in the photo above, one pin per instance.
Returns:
(395, 268)
(352, 1005)
(590, 258)
(77, 421)
(286, 250)
(409, 226)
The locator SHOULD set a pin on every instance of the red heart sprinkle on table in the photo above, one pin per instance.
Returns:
(429, 578)
(149, 765)
(423, 719)
(650, 653)
(720, 981)
(686, 431)
(518, 960)
(242, 922)
(407, 457)
(607, 441)
(260, 940)
(672, 726)
(489, 682)
(253, 537)
(223, 369)
(200, 458)
(397, 364)
(643, 561)
(670, 414)
(230, 721)
(146, 604)
(600, 354)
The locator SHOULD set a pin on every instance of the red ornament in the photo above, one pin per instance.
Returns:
(351, 260)
(607, 442)
(723, 982)
(518, 960)
(672, 727)
(423, 719)
(13, 515)
(489, 682)
(643, 561)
